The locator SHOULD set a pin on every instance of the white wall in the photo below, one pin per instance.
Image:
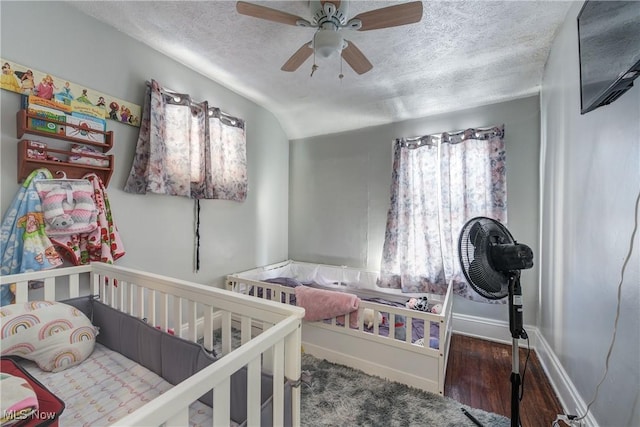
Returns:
(340, 188)
(590, 166)
(157, 230)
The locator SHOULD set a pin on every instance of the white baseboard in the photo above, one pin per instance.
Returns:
(498, 331)
(566, 391)
(490, 329)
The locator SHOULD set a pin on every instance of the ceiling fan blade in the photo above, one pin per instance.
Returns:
(298, 58)
(392, 16)
(355, 58)
(267, 13)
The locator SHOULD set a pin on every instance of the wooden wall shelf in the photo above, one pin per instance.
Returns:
(23, 127)
(28, 163)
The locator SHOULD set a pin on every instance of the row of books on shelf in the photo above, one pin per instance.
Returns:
(55, 116)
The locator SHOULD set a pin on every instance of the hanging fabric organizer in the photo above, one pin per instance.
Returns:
(186, 148)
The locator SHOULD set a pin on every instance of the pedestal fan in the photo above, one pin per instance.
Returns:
(491, 261)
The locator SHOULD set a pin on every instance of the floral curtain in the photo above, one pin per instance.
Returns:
(186, 148)
(228, 157)
(438, 183)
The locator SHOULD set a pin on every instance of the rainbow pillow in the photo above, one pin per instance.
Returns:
(54, 335)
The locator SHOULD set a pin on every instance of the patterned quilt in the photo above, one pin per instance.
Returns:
(106, 387)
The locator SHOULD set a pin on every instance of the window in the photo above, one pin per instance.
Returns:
(186, 148)
(438, 183)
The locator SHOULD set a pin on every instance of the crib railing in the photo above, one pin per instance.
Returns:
(52, 285)
(192, 311)
(284, 294)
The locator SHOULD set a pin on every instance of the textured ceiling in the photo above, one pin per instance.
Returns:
(462, 54)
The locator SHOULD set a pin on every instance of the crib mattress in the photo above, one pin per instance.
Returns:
(106, 387)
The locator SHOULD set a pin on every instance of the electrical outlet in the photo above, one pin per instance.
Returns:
(573, 421)
(567, 420)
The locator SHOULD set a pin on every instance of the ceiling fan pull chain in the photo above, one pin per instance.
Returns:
(340, 76)
(314, 67)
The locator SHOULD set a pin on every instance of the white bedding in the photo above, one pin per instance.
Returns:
(362, 282)
(106, 387)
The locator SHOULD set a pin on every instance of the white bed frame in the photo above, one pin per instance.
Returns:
(193, 311)
(417, 366)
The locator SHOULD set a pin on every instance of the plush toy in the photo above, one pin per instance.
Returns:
(368, 318)
(436, 309)
(400, 328)
(418, 304)
(61, 221)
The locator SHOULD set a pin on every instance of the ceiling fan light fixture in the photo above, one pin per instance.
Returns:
(326, 42)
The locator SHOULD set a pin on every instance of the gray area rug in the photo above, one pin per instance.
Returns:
(338, 396)
(335, 395)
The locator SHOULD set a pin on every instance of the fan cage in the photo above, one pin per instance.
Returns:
(474, 249)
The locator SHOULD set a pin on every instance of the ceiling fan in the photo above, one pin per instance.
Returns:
(329, 19)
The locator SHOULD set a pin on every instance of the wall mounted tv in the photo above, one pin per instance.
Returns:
(609, 43)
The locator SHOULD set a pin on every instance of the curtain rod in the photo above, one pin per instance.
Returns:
(446, 137)
(232, 119)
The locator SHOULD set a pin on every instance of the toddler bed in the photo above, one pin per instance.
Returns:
(406, 345)
(153, 360)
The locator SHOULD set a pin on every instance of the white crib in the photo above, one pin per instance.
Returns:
(193, 311)
(420, 366)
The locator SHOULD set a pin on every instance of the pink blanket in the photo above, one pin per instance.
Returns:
(321, 304)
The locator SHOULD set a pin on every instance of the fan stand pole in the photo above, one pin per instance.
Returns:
(517, 332)
(515, 386)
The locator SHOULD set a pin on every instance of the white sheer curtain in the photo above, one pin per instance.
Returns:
(438, 183)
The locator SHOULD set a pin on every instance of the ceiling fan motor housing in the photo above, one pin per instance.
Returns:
(328, 12)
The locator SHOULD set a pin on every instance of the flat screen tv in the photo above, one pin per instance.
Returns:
(609, 43)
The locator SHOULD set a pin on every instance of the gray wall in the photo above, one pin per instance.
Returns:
(591, 178)
(340, 188)
(157, 230)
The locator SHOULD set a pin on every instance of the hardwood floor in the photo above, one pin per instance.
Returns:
(478, 375)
